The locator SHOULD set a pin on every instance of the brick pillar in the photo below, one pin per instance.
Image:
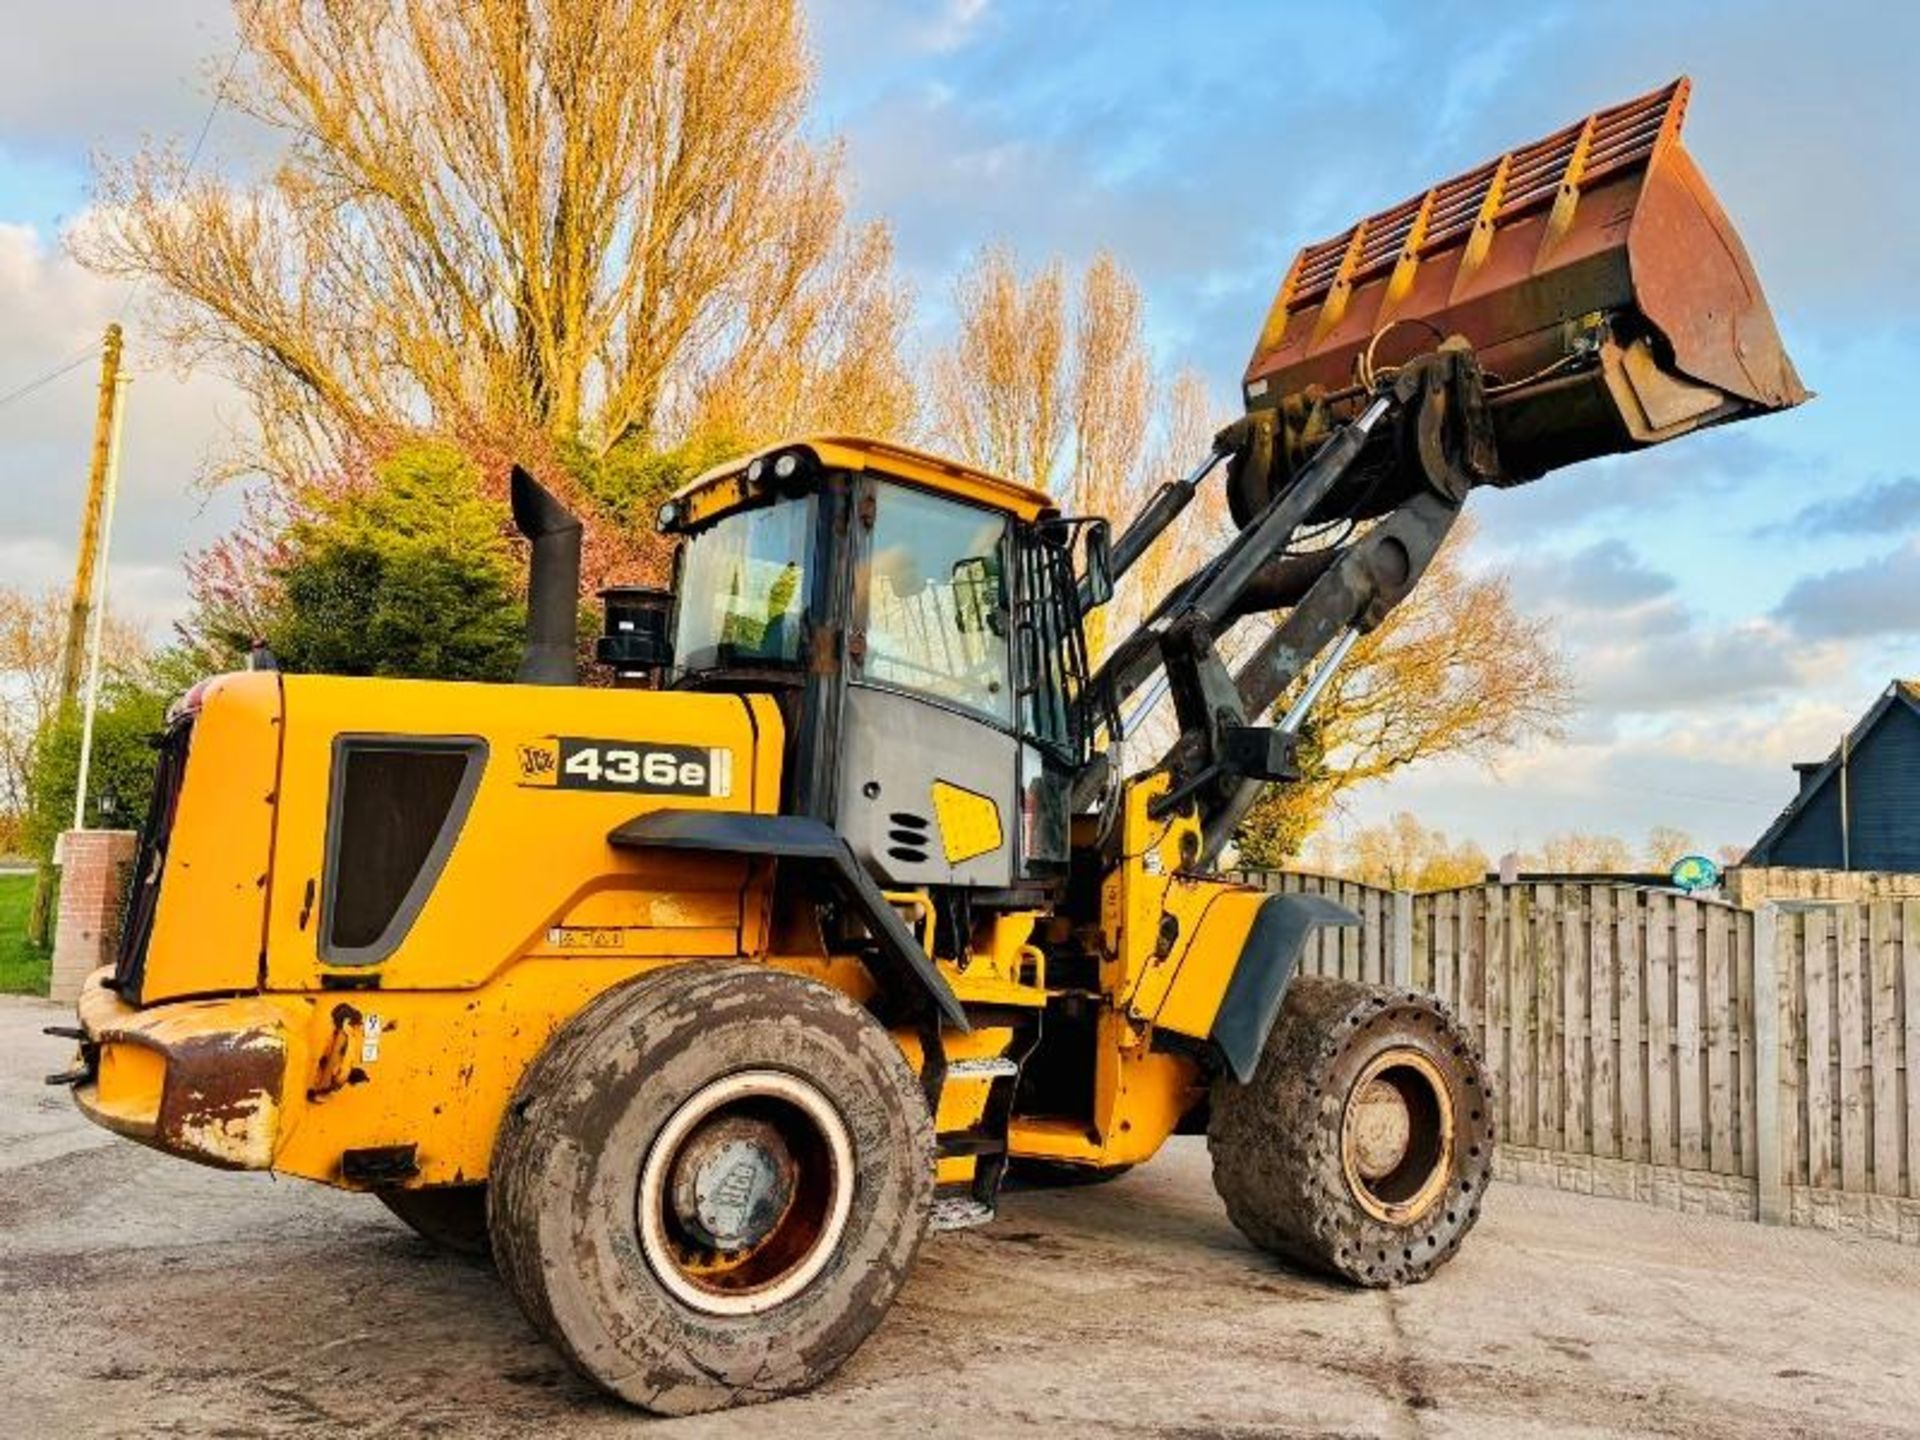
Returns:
(93, 869)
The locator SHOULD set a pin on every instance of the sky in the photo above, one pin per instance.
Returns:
(1727, 604)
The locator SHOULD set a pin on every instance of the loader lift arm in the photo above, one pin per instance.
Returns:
(1427, 439)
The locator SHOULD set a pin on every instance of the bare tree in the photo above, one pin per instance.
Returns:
(1051, 383)
(1402, 854)
(33, 627)
(1109, 389)
(1666, 845)
(594, 222)
(997, 393)
(1575, 852)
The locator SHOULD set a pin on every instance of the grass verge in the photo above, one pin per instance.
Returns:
(24, 968)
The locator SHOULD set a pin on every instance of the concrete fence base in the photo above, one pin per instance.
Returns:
(1701, 1192)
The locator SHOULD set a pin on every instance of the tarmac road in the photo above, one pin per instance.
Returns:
(140, 1295)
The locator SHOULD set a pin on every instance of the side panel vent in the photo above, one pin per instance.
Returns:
(910, 836)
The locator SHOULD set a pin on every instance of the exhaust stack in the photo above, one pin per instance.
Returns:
(553, 583)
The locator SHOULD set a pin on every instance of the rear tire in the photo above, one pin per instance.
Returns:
(452, 1217)
(1364, 1141)
(710, 1187)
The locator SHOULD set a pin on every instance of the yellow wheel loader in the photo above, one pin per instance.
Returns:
(698, 999)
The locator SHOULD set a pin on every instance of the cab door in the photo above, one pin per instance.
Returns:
(930, 764)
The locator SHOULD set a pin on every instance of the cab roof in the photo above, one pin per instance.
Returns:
(723, 487)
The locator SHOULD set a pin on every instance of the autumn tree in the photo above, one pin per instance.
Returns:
(527, 227)
(1455, 670)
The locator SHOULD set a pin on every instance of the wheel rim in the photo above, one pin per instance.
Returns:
(744, 1194)
(1396, 1136)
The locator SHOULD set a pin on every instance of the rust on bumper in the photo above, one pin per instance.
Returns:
(201, 1079)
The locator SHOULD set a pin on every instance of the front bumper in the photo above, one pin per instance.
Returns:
(202, 1079)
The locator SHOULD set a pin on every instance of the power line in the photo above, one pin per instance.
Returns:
(50, 376)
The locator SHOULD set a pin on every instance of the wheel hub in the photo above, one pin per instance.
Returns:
(745, 1193)
(1396, 1136)
(731, 1183)
(1382, 1128)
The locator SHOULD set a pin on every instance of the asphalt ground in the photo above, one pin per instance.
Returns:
(140, 1295)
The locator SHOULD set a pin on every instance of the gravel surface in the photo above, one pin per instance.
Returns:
(141, 1295)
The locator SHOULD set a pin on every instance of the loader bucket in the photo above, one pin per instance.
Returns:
(1609, 300)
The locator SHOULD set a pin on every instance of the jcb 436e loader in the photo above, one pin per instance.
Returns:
(700, 1001)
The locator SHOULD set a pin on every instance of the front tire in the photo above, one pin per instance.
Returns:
(1364, 1141)
(710, 1187)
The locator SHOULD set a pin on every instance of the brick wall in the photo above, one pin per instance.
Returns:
(93, 868)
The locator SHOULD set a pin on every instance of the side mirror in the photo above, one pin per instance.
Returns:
(1099, 568)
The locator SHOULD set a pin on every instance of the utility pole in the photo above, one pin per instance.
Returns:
(80, 610)
(96, 636)
(80, 606)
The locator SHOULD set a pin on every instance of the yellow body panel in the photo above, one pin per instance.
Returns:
(531, 873)
(725, 486)
(1198, 972)
(214, 888)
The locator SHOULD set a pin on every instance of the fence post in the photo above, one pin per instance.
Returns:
(1401, 961)
(1768, 1168)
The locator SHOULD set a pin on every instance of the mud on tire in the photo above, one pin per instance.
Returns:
(1364, 1141)
(598, 1167)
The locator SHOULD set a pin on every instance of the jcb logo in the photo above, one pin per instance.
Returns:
(539, 762)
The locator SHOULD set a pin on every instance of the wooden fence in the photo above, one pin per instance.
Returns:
(1678, 1050)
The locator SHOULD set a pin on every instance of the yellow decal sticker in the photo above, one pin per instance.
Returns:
(585, 937)
(969, 822)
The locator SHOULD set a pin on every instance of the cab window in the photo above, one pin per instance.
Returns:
(742, 589)
(936, 602)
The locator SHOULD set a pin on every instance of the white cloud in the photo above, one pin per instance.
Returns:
(92, 73)
(50, 310)
(1878, 596)
(954, 26)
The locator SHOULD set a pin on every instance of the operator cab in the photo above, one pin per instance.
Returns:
(919, 622)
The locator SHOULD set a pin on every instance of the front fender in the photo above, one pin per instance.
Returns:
(1231, 978)
(1268, 957)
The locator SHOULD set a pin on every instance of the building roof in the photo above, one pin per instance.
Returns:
(1900, 692)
